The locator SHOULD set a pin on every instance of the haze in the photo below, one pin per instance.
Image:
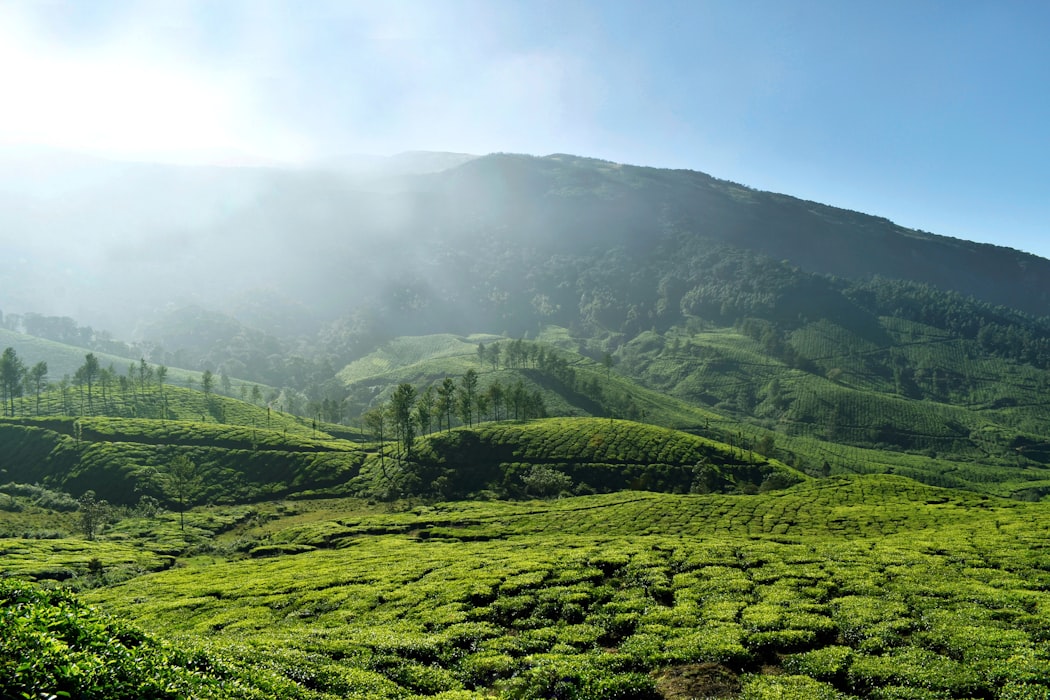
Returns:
(929, 115)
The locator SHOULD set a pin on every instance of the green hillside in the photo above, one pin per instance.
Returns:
(577, 430)
(827, 399)
(64, 360)
(55, 646)
(582, 455)
(868, 587)
(263, 455)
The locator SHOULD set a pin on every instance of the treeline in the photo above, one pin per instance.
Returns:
(410, 412)
(545, 364)
(62, 329)
(92, 389)
(1002, 332)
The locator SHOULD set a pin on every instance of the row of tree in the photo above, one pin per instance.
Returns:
(92, 381)
(62, 329)
(410, 412)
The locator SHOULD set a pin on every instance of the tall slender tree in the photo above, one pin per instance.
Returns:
(162, 375)
(183, 480)
(467, 396)
(11, 373)
(495, 396)
(89, 372)
(375, 423)
(145, 375)
(425, 410)
(38, 379)
(401, 404)
(516, 396)
(446, 401)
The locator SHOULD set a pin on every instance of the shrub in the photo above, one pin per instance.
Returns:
(54, 646)
(41, 496)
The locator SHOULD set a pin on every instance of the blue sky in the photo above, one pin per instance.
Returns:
(933, 114)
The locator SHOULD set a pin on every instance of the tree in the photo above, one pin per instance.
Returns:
(545, 482)
(533, 406)
(425, 409)
(133, 371)
(375, 423)
(467, 397)
(38, 379)
(145, 374)
(495, 396)
(494, 353)
(607, 362)
(183, 479)
(162, 374)
(93, 514)
(481, 405)
(89, 371)
(401, 404)
(106, 377)
(481, 354)
(446, 401)
(11, 372)
(518, 398)
(207, 382)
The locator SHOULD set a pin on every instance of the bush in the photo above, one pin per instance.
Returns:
(54, 646)
(576, 681)
(546, 482)
(42, 497)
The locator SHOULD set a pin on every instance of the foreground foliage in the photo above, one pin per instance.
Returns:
(55, 646)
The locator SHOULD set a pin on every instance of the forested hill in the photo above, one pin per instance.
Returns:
(502, 242)
(578, 203)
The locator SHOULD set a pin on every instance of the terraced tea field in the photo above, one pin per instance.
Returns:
(863, 587)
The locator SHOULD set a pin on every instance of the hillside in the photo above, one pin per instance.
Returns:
(496, 243)
(242, 451)
(865, 587)
(570, 455)
(892, 396)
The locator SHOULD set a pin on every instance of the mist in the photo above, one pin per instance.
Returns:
(114, 244)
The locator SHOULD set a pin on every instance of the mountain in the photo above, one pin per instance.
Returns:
(483, 241)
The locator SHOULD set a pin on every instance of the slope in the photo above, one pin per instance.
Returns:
(865, 588)
(824, 397)
(242, 452)
(559, 455)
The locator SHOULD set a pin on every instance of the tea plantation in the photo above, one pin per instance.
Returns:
(862, 587)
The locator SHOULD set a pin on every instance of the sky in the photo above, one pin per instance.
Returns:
(933, 114)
